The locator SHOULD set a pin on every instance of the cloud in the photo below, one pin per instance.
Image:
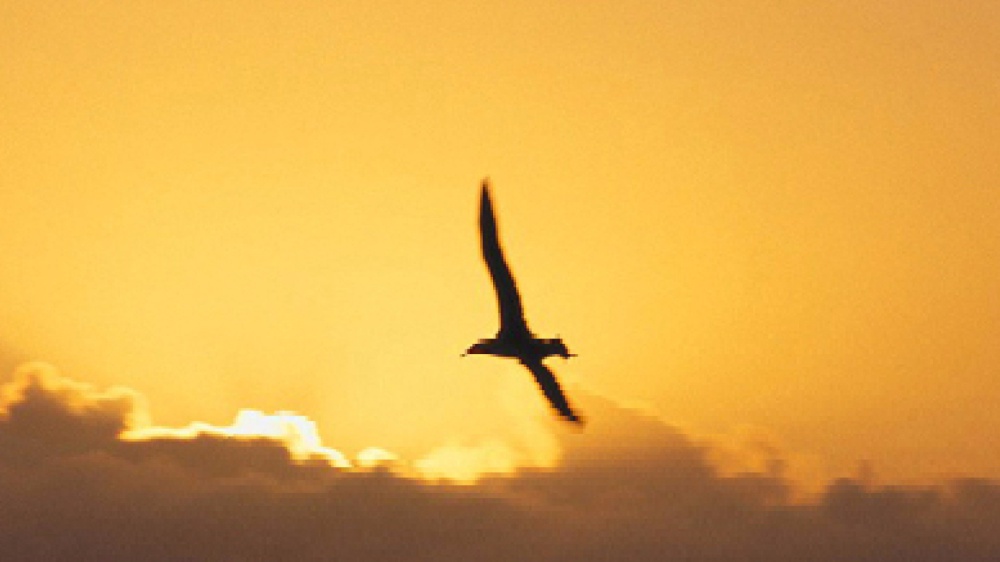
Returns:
(44, 413)
(85, 476)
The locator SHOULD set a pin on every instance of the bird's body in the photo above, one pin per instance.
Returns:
(514, 339)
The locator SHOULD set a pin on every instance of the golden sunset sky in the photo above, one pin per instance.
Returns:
(240, 260)
(781, 216)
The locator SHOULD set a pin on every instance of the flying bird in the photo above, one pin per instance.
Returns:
(514, 339)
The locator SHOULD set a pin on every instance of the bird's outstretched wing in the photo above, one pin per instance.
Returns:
(551, 389)
(511, 313)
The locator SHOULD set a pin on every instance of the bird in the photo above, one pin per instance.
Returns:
(514, 339)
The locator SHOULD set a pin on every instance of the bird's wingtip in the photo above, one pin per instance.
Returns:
(485, 202)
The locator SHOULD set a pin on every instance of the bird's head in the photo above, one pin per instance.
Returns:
(481, 347)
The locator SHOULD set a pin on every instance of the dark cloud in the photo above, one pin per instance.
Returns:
(628, 488)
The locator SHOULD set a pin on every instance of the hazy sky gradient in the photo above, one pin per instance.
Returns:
(781, 215)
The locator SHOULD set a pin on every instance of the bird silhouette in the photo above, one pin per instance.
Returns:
(514, 339)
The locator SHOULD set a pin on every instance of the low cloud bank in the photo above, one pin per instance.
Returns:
(84, 476)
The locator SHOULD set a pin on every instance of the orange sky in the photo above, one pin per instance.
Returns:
(782, 215)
